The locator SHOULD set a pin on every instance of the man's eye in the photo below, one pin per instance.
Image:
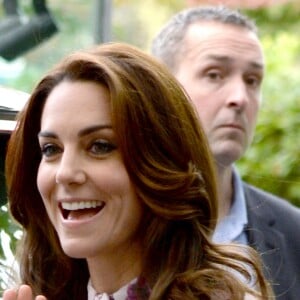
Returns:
(253, 81)
(49, 150)
(102, 147)
(214, 75)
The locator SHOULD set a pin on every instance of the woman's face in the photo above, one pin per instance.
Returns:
(81, 178)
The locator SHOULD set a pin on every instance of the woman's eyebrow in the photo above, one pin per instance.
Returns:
(82, 132)
(47, 134)
(93, 128)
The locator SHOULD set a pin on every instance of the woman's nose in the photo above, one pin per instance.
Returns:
(70, 170)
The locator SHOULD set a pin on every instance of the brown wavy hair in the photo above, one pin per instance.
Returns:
(168, 161)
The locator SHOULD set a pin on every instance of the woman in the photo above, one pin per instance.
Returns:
(111, 178)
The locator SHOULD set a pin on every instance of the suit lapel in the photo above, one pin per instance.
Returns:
(264, 237)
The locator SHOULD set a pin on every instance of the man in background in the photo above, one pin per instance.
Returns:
(216, 54)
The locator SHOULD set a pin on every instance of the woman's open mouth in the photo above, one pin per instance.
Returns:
(79, 210)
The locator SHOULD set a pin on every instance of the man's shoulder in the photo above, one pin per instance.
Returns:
(269, 203)
(272, 231)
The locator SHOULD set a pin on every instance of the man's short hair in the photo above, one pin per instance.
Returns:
(167, 45)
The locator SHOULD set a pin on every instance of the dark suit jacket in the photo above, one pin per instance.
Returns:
(274, 231)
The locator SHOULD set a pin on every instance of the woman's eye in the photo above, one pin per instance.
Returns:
(49, 150)
(102, 147)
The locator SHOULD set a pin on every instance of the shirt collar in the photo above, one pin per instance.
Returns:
(121, 294)
(231, 227)
(135, 289)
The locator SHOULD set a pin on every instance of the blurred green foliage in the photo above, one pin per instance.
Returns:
(273, 161)
(7, 225)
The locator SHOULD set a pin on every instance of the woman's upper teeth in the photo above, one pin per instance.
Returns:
(81, 205)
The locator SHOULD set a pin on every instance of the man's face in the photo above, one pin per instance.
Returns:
(222, 67)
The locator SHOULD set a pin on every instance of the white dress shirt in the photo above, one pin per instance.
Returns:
(121, 294)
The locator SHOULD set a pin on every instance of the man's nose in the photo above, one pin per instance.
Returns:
(237, 97)
(70, 170)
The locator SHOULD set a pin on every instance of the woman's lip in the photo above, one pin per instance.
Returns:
(79, 216)
(78, 221)
(76, 199)
(84, 204)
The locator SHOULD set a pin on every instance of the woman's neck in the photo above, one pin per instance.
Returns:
(110, 273)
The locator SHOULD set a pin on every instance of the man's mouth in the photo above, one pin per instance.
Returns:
(79, 210)
(233, 126)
